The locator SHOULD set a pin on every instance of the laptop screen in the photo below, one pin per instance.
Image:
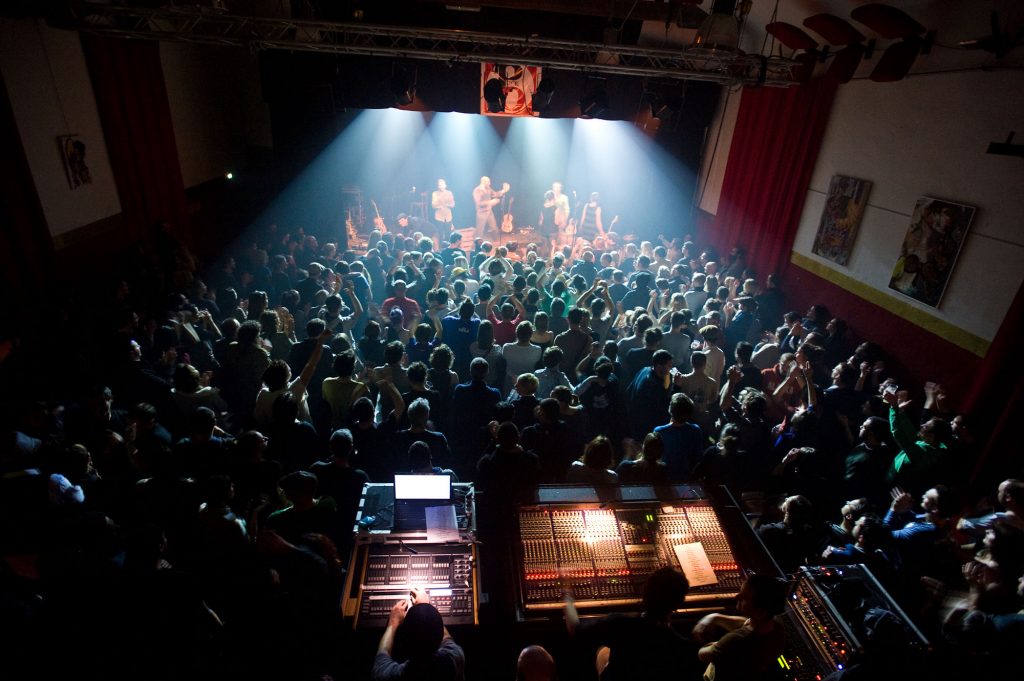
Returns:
(423, 487)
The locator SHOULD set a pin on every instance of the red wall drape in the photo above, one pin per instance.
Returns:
(996, 397)
(26, 249)
(131, 97)
(774, 148)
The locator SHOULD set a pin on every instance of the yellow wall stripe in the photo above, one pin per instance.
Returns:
(947, 331)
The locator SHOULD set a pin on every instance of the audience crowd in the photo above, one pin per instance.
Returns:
(183, 506)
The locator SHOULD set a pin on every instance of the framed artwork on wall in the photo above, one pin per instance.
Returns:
(72, 151)
(930, 249)
(840, 219)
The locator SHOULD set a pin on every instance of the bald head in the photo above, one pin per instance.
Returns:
(535, 664)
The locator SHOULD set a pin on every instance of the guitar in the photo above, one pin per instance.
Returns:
(350, 229)
(610, 227)
(506, 222)
(378, 222)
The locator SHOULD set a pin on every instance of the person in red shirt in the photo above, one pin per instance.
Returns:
(512, 313)
(410, 308)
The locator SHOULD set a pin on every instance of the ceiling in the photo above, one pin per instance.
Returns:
(953, 21)
(672, 23)
(647, 23)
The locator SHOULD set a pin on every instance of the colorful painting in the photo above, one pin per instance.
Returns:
(930, 249)
(844, 207)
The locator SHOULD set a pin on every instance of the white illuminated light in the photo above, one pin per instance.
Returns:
(230, 176)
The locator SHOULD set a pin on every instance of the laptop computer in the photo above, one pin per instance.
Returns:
(413, 494)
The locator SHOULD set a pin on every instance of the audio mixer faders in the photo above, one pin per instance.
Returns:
(608, 553)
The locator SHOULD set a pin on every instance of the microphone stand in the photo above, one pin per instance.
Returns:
(576, 231)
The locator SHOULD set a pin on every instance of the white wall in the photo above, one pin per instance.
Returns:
(926, 136)
(51, 95)
(216, 107)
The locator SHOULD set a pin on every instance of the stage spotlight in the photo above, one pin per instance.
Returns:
(594, 104)
(544, 94)
(719, 32)
(494, 95)
(666, 106)
(402, 89)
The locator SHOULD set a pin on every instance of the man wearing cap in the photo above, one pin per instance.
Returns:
(409, 225)
(417, 629)
(410, 308)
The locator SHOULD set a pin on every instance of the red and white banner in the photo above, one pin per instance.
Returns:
(518, 83)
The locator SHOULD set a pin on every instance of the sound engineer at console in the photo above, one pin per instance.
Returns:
(644, 647)
(754, 639)
(415, 627)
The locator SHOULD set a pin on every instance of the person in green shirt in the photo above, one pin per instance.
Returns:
(924, 457)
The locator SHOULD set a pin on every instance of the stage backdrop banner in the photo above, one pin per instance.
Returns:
(840, 219)
(518, 82)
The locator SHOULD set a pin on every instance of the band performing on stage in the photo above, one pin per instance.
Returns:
(553, 219)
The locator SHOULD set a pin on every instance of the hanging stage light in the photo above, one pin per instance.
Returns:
(594, 104)
(494, 95)
(544, 94)
(402, 88)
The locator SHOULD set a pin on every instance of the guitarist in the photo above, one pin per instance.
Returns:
(486, 198)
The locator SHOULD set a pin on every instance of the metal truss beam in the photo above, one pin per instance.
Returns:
(203, 26)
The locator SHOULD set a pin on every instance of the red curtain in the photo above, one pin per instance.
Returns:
(128, 82)
(774, 148)
(26, 249)
(996, 398)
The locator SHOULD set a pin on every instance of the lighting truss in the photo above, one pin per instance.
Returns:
(201, 25)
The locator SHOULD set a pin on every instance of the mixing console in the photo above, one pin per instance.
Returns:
(824, 621)
(391, 571)
(607, 553)
(830, 641)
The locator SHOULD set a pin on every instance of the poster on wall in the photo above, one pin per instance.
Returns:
(840, 219)
(930, 249)
(517, 83)
(72, 151)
